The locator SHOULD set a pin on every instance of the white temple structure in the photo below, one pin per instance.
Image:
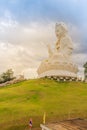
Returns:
(59, 64)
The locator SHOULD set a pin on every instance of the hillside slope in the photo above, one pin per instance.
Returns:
(19, 102)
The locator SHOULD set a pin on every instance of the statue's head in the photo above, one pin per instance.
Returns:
(60, 29)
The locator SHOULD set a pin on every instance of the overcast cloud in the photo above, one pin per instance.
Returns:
(26, 27)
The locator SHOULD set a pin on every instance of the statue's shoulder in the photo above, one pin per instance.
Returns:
(67, 38)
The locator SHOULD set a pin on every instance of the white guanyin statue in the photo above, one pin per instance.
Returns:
(63, 47)
(59, 62)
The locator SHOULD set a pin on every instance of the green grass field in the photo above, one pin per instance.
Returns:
(30, 99)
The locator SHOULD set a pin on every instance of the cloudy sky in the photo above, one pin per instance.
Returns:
(27, 26)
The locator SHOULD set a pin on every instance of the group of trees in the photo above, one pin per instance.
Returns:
(6, 76)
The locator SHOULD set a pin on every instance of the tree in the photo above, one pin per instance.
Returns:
(85, 70)
(6, 76)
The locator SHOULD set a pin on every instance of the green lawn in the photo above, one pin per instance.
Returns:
(19, 102)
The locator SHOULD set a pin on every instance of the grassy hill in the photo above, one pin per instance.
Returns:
(19, 102)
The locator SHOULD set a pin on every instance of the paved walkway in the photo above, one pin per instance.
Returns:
(73, 124)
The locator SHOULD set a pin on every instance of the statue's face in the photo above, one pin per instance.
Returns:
(60, 29)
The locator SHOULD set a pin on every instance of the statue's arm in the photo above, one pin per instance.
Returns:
(57, 45)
